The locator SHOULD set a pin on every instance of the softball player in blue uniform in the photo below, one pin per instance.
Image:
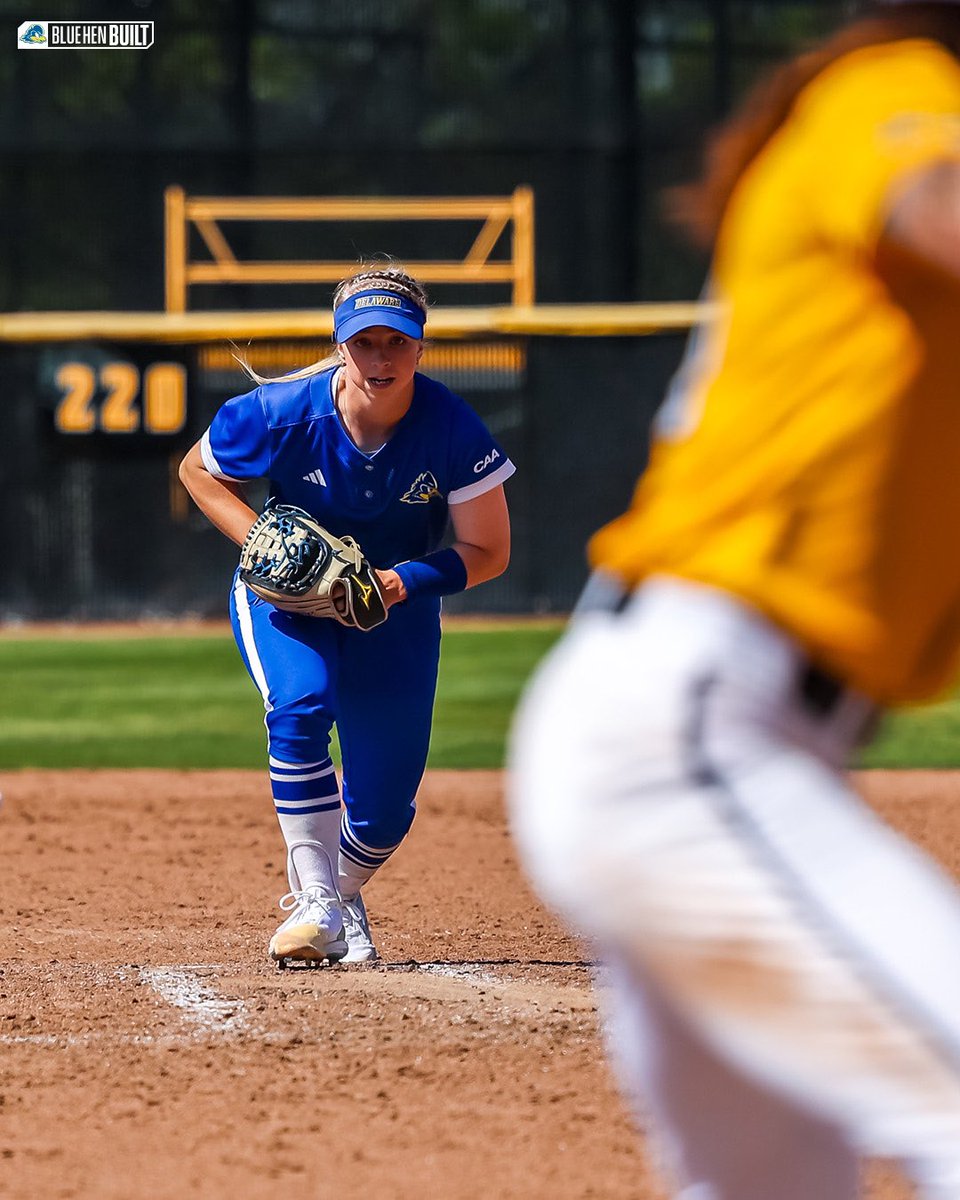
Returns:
(373, 449)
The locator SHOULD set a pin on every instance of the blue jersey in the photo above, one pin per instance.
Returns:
(395, 500)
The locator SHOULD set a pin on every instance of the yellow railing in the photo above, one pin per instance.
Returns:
(476, 266)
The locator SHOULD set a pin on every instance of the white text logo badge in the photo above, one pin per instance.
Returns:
(85, 35)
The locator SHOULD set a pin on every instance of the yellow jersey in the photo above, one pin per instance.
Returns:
(808, 456)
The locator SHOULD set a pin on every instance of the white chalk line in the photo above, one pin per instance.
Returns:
(471, 973)
(200, 1004)
(210, 1014)
(521, 997)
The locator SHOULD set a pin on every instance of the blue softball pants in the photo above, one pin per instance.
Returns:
(378, 688)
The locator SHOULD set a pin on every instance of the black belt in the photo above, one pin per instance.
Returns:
(819, 691)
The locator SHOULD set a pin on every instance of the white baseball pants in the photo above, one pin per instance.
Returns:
(785, 969)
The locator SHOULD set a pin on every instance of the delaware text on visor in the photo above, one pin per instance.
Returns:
(366, 309)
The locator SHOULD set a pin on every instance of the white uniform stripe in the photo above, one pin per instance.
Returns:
(210, 460)
(486, 484)
(249, 642)
(278, 762)
(351, 839)
(305, 802)
(364, 848)
(302, 778)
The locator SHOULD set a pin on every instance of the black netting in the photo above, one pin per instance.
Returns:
(594, 103)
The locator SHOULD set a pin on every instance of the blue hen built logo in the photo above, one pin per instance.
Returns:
(85, 35)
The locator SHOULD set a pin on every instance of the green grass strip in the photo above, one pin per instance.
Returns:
(918, 737)
(186, 702)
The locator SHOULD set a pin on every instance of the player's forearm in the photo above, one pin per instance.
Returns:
(444, 572)
(481, 531)
(228, 512)
(483, 562)
(221, 501)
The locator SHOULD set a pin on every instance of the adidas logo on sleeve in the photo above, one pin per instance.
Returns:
(316, 477)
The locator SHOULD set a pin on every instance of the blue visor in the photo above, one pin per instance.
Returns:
(366, 309)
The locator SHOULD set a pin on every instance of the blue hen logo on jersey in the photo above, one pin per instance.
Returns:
(422, 491)
(34, 36)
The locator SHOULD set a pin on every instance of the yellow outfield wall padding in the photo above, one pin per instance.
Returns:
(541, 320)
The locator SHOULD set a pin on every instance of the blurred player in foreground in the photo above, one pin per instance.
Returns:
(373, 449)
(785, 969)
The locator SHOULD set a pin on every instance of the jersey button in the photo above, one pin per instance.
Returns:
(368, 494)
(369, 467)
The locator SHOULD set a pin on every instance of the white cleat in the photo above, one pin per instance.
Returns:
(357, 931)
(313, 932)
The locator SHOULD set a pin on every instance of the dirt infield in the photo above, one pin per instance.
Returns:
(148, 1050)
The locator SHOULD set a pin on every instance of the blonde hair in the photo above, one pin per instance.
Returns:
(383, 277)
